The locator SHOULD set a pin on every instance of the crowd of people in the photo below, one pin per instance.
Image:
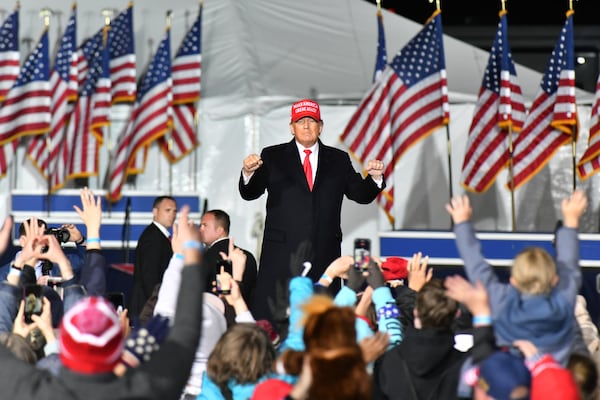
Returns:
(329, 327)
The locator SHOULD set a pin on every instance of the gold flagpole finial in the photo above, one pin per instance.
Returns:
(438, 7)
(46, 13)
(503, 4)
(107, 13)
(169, 18)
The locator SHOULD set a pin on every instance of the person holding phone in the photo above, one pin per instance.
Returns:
(214, 234)
(306, 182)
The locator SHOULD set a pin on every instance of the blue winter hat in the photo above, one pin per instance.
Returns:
(501, 373)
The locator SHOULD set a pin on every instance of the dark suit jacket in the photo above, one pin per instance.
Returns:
(152, 256)
(212, 255)
(295, 214)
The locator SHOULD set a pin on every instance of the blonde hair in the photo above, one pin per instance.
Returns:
(534, 271)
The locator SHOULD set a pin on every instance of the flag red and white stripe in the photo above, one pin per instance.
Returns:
(589, 163)
(187, 67)
(552, 119)
(43, 151)
(150, 120)
(402, 107)
(26, 109)
(78, 155)
(9, 53)
(499, 112)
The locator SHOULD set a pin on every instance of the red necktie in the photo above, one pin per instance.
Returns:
(308, 169)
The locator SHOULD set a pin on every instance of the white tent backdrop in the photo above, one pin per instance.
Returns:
(258, 57)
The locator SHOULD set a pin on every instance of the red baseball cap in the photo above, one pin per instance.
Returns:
(394, 268)
(306, 108)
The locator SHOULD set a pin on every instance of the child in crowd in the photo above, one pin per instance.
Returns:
(539, 302)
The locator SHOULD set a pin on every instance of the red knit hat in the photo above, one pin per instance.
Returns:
(394, 268)
(552, 381)
(91, 339)
(306, 108)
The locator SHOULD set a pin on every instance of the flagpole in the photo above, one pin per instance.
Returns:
(45, 14)
(195, 158)
(574, 132)
(170, 141)
(574, 158)
(107, 14)
(511, 172)
(510, 161)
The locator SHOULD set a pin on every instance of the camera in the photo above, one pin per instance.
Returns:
(362, 254)
(61, 234)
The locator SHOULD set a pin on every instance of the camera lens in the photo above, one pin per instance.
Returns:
(62, 235)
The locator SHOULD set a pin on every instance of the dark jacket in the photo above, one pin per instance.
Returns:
(295, 214)
(152, 256)
(426, 366)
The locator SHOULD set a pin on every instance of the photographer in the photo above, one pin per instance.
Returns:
(43, 268)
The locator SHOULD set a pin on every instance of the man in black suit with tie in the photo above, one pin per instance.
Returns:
(306, 182)
(152, 253)
(214, 233)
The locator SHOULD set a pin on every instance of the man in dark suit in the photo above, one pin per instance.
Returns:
(297, 209)
(152, 253)
(214, 233)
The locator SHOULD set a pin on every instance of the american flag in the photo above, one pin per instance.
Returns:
(9, 53)
(500, 110)
(43, 152)
(552, 119)
(122, 58)
(589, 163)
(186, 92)
(407, 103)
(26, 109)
(150, 118)
(79, 152)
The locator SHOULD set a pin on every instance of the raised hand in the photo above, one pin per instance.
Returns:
(237, 258)
(573, 208)
(418, 273)
(251, 164)
(459, 209)
(474, 297)
(5, 233)
(375, 169)
(375, 277)
(355, 279)
(32, 243)
(91, 214)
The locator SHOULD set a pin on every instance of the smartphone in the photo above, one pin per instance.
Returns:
(226, 264)
(117, 299)
(32, 294)
(223, 287)
(362, 254)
